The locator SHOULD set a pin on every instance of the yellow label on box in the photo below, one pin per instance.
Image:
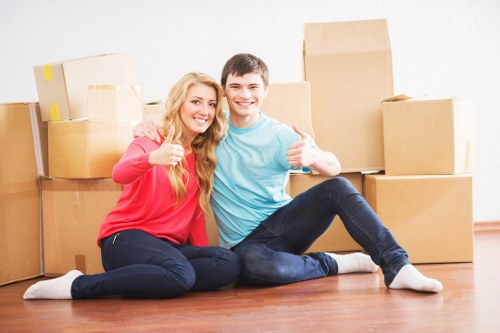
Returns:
(47, 73)
(54, 112)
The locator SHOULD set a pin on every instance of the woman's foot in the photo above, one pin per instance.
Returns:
(58, 288)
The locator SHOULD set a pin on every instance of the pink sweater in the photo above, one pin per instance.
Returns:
(147, 201)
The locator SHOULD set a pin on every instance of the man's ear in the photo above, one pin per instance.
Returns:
(223, 91)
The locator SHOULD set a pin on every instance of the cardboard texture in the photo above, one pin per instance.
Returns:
(428, 136)
(114, 102)
(62, 86)
(87, 148)
(430, 216)
(19, 195)
(336, 238)
(73, 211)
(349, 66)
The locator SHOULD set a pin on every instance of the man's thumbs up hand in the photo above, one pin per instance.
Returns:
(302, 153)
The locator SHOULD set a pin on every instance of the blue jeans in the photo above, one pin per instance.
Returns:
(140, 265)
(272, 253)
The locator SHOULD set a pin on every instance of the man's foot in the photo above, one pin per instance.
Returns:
(410, 278)
(354, 263)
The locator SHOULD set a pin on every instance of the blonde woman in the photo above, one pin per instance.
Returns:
(154, 242)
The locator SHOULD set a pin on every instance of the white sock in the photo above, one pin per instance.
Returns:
(58, 288)
(354, 263)
(410, 278)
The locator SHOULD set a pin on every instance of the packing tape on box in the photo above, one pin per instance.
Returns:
(47, 73)
(19, 187)
(54, 111)
(80, 263)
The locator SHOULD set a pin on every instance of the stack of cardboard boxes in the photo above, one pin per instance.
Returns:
(424, 145)
(90, 105)
(425, 195)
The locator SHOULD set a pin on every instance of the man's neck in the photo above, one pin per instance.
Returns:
(244, 121)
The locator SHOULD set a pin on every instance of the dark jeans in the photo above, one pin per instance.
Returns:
(140, 265)
(272, 253)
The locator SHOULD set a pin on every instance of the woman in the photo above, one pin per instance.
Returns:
(154, 243)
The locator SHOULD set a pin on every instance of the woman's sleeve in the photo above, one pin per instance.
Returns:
(198, 234)
(133, 164)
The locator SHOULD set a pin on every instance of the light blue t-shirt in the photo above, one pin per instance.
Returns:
(252, 172)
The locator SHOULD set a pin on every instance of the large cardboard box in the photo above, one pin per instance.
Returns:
(430, 216)
(425, 136)
(336, 238)
(349, 65)
(87, 148)
(114, 102)
(73, 211)
(19, 193)
(62, 86)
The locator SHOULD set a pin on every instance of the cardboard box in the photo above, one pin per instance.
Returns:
(62, 86)
(87, 148)
(19, 194)
(427, 136)
(73, 211)
(430, 216)
(336, 238)
(20, 234)
(114, 102)
(154, 111)
(349, 65)
(288, 103)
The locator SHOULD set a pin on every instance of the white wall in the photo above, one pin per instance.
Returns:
(444, 47)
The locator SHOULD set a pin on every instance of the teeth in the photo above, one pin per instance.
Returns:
(200, 120)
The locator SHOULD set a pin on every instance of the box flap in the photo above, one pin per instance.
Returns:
(346, 37)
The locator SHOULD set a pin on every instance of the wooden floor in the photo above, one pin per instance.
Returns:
(469, 303)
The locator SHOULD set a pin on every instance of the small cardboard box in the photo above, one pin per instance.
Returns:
(87, 148)
(349, 66)
(20, 213)
(62, 86)
(114, 102)
(336, 238)
(73, 211)
(427, 136)
(430, 216)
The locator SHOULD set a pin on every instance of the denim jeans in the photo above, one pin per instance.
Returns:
(272, 253)
(140, 265)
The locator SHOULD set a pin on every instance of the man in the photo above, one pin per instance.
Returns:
(262, 224)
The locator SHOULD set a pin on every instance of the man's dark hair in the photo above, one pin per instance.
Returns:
(244, 63)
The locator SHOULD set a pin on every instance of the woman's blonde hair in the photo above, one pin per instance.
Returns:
(203, 144)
